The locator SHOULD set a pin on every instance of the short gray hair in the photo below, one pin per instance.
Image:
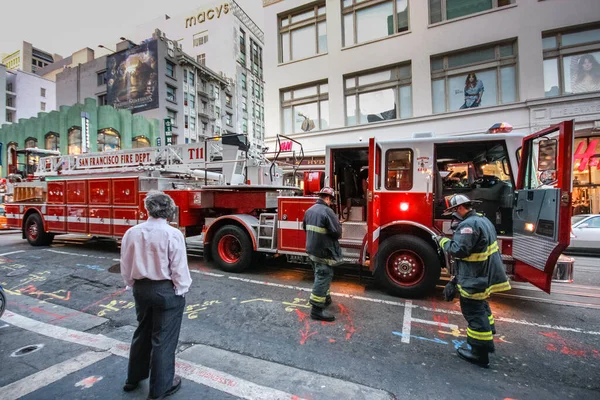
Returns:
(159, 204)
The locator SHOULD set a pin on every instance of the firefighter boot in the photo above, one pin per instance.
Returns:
(476, 355)
(328, 300)
(320, 315)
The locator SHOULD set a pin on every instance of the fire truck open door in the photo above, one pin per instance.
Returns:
(373, 199)
(542, 212)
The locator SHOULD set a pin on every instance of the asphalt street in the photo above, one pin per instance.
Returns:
(69, 323)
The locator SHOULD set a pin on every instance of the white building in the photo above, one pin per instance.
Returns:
(28, 58)
(223, 37)
(24, 95)
(346, 70)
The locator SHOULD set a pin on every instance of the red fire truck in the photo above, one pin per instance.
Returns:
(391, 195)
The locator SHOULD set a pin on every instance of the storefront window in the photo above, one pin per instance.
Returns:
(586, 176)
(109, 140)
(140, 142)
(74, 143)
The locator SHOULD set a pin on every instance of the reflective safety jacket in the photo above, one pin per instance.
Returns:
(479, 266)
(323, 230)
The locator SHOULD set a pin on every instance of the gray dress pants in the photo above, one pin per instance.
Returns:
(159, 313)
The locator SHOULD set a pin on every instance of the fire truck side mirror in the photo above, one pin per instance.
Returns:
(547, 155)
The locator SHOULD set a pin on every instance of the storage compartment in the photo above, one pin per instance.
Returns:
(99, 191)
(77, 219)
(100, 220)
(123, 219)
(125, 191)
(291, 236)
(76, 192)
(55, 219)
(56, 192)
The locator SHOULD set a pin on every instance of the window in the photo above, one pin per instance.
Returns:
(10, 101)
(302, 34)
(242, 57)
(244, 82)
(374, 19)
(42, 92)
(185, 76)
(229, 119)
(30, 143)
(441, 10)
(74, 141)
(217, 92)
(481, 77)
(378, 96)
(218, 114)
(193, 123)
(43, 106)
(102, 100)
(101, 78)
(204, 128)
(109, 140)
(9, 116)
(201, 58)
(9, 87)
(305, 108)
(200, 38)
(399, 169)
(245, 125)
(171, 94)
(571, 62)
(192, 100)
(185, 122)
(140, 142)
(173, 115)
(170, 69)
(228, 100)
(244, 104)
(192, 78)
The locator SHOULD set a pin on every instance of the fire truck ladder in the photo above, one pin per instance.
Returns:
(267, 234)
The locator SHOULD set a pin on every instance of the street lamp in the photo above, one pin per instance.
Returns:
(104, 47)
(129, 41)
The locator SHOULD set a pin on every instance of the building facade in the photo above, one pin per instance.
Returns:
(24, 95)
(62, 130)
(82, 56)
(156, 80)
(29, 58)
(346, 70)
(223, 37)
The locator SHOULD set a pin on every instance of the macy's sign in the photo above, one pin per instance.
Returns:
(202, 16)
(588, 157)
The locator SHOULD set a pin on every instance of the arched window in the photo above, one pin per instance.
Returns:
(74, 140)
(139, 142)
(52, 141)
(9, 161)
(32, 161)
(109, 140)
(30, 142)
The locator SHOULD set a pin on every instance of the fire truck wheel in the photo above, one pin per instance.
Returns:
(35, 233)
(407, 266)
(231, 249)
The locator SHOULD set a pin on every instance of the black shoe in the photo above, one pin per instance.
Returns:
(475, 356)
(320, 315)
(328, 301)
(130, 387)
(176, 386)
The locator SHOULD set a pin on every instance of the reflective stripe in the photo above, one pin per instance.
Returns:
(491, 318)
(443, 241)
(479, 335)
(316, 229)
(328, 292)
(317, 299)
(499, 287)
(482, 256)
(319, 260)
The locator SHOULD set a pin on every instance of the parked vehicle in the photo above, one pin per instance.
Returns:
(3, 221)
(585, 234)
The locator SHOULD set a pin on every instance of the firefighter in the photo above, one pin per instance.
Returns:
(323, 231)
(479, 272)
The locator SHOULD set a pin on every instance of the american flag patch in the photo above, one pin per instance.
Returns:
(466, 231)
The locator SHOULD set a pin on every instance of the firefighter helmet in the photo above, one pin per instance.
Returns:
(453, 202)
(327, 191)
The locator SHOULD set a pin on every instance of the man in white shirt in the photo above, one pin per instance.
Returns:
(154, 264)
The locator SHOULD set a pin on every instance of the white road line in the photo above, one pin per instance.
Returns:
(440, 324)
(207, 273)
(12, 252)
(43, 378)
(406, 323)
(195, 372)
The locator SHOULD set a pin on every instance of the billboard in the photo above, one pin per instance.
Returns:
(132, 78)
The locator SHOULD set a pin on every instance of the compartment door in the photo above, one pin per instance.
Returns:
(374, 199)
(542, 212)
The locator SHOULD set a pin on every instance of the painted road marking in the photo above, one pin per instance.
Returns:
(406, 324)
(195, 372)
(12, 252)
(41, 379)
(435, 323)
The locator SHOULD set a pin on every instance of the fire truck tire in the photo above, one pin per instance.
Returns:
(407, 266)
(231, 249)
(35, 233)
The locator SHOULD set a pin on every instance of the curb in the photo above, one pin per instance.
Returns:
(9, 231)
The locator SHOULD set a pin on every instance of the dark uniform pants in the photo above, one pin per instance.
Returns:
(159, 313)
(481, 323)
(323, 278)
